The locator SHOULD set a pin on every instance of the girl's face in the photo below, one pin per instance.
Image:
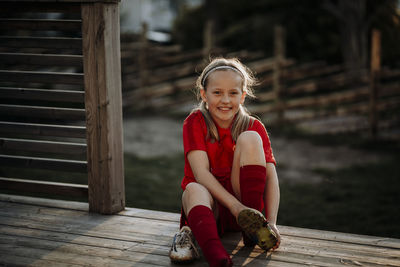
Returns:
(223, 96)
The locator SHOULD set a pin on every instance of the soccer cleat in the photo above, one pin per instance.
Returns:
(183, 249)
(256, 227)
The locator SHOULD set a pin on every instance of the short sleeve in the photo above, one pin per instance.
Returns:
(260, 129)
(194, 133)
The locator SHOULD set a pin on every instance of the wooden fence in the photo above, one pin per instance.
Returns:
(163, 77)
(60, 100)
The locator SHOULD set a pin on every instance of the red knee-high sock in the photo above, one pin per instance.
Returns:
(252, 186)
(202, 223)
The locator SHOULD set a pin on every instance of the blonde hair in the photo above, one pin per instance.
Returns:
(243, 118)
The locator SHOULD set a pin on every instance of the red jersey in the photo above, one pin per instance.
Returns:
(220, 153)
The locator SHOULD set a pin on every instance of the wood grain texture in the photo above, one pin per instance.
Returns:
(103, 102)
(60, 233)
(65, 148)
(36, 129)
(63, 189)
(41, 77)
(7, 59)
(41, 42)
(43, 163)
(43, 112)
(41, 25)
(67, 96)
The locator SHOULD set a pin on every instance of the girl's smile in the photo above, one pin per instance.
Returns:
(223, 95)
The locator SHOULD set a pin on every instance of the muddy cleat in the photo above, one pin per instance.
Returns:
(256, 227)
(183, 249)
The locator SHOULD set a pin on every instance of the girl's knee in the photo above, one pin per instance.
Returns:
(249, 149)
(195, 190)
(250, 139)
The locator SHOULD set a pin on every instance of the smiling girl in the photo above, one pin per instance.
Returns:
(229, 175)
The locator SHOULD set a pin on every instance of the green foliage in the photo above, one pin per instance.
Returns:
(312, 32)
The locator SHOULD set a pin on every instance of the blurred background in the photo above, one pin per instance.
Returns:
(328, 93)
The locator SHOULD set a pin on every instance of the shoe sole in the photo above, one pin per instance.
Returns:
(254, 224)
(181, 260)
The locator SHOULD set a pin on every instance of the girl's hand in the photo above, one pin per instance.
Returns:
(275, 229)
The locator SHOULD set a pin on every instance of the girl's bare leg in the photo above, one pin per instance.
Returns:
(195, 194)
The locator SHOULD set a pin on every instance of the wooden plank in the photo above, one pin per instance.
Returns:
(316, 101)
(42, 94)
(41, 77)
(295, 250)
(138, 246)
(279, 56)
(44, 202)
(8, 7)
(293, 245)
(44, 163)
(373, 241)
(63, 189)
(64, 1)
(42, 129)
(75, 254)
(375, 81)
(231, 243)
(8, 259)
(158, 90)
(347, 241)
(310, 70)
(43, 112)
(329, 99)
(41, 24)
(332, 82)
(41, 42)
(41, 146)
(103, 103)
(140, 231)
(81, 230)
(7, 59)
(72, 205)
(88, 255)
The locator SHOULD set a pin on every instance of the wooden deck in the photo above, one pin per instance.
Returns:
(42, 232)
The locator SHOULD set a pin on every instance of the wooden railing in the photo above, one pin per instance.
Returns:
(60, 99)
(289, 92)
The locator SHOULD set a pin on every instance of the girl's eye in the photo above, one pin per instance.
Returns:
(217, 92)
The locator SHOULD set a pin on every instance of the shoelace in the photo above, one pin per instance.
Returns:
(183, 238)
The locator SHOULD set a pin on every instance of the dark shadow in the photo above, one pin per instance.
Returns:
(244, 255)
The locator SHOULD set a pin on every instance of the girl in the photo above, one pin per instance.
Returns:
(229, 171)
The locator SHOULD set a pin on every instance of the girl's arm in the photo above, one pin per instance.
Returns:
(201, 169)
(271, 199)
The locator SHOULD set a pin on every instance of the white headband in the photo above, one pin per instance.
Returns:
(219, 68)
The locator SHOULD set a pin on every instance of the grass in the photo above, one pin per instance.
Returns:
(359, 199)
(154, 183)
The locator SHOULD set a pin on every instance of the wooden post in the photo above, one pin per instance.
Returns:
(374, 80)
(143, 72)
(208, 36)
(209, 27)
(279, 55)
(103, 103)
